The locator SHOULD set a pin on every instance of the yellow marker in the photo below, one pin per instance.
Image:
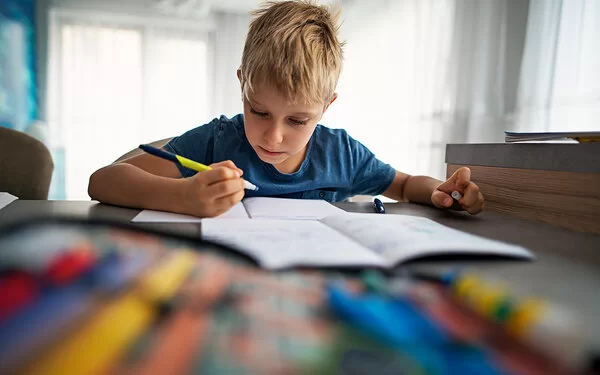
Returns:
(526, 314)
(465, 285)
(488, 300)
(104, 339)
(95, 347)
(194, 165)
(188, 163)
(164, 279)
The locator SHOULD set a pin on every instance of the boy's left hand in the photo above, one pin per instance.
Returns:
(472, 199)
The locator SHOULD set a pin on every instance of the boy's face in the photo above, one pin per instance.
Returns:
(279, 131)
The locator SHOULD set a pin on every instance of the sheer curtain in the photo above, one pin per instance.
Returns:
(115, 83)
(230, 35)
(559, 87)
(421, 73)
(418, 74)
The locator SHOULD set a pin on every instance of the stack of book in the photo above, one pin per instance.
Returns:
(567, 137)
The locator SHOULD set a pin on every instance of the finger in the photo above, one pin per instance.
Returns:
(441, 199)
(456, 181)
(463, 178)
(224, 204)
(448, 185)
(470, 196)
(227, 164)
(477, 207)
(216, 175)
(223, 188)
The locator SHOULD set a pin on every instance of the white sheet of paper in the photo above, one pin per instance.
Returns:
(256, 208)
(6, 199)
(151, 216)
(280, 243)
(284, 208)
(401, 237)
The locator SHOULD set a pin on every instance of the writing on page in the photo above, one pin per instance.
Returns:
(401, 237)
(285, 208)
(281, 243)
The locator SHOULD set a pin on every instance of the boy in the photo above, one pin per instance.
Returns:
(290, 67)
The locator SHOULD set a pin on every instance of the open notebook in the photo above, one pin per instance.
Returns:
(255, 208)
(349, 240)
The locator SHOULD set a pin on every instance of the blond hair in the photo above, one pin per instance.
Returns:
(294, 46)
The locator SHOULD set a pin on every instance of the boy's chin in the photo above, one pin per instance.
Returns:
(272, 160)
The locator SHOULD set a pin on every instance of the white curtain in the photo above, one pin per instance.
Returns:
(418, 74)
(559, 88)
(230, 35)
(115, 84)
(421, 73)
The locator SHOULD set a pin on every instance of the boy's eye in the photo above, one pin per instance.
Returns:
(298, 122)
(261, 114)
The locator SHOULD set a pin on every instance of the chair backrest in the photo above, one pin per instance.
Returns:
(25, 165)
(137, 151)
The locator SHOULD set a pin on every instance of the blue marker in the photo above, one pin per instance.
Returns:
(42, 322)
(115, 271)
(398, 322)
(378, 205)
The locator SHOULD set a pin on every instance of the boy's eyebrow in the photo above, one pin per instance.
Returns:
(252, 101)
(309, 114)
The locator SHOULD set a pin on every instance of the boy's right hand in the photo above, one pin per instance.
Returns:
(211, 193)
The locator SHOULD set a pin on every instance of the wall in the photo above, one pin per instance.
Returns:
(17, 64)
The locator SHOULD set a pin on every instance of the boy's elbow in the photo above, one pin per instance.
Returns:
(94, 184)
(91, 186)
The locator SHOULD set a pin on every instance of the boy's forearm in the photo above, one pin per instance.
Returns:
(418, 189)
(127, 185)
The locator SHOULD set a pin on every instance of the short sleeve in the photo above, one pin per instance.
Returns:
(196, 144)
(371, 175)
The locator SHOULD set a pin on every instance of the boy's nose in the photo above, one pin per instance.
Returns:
(273, 134)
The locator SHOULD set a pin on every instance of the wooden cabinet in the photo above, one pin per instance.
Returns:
(552, 183)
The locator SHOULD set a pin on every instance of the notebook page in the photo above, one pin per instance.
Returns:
(151, 216)
(285, 208)
(398, 238)
(6, 199)
(281, 243)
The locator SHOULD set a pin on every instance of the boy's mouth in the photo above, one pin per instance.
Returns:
(270, 153)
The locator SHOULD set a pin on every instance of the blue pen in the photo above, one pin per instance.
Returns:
(378, 205)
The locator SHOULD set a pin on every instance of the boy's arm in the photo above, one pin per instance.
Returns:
(428, 190)
(145, 181)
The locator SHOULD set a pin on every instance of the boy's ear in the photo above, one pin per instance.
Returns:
(239, 75)
(333, 98)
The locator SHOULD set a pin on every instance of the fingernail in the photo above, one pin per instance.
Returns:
(448, 202)
(238, 173)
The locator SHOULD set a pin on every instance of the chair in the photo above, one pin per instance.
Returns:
(26, 165)
(137, 151)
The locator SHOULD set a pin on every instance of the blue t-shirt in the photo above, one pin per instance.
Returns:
(336, 166)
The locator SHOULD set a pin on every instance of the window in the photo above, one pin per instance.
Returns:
(116, 83)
